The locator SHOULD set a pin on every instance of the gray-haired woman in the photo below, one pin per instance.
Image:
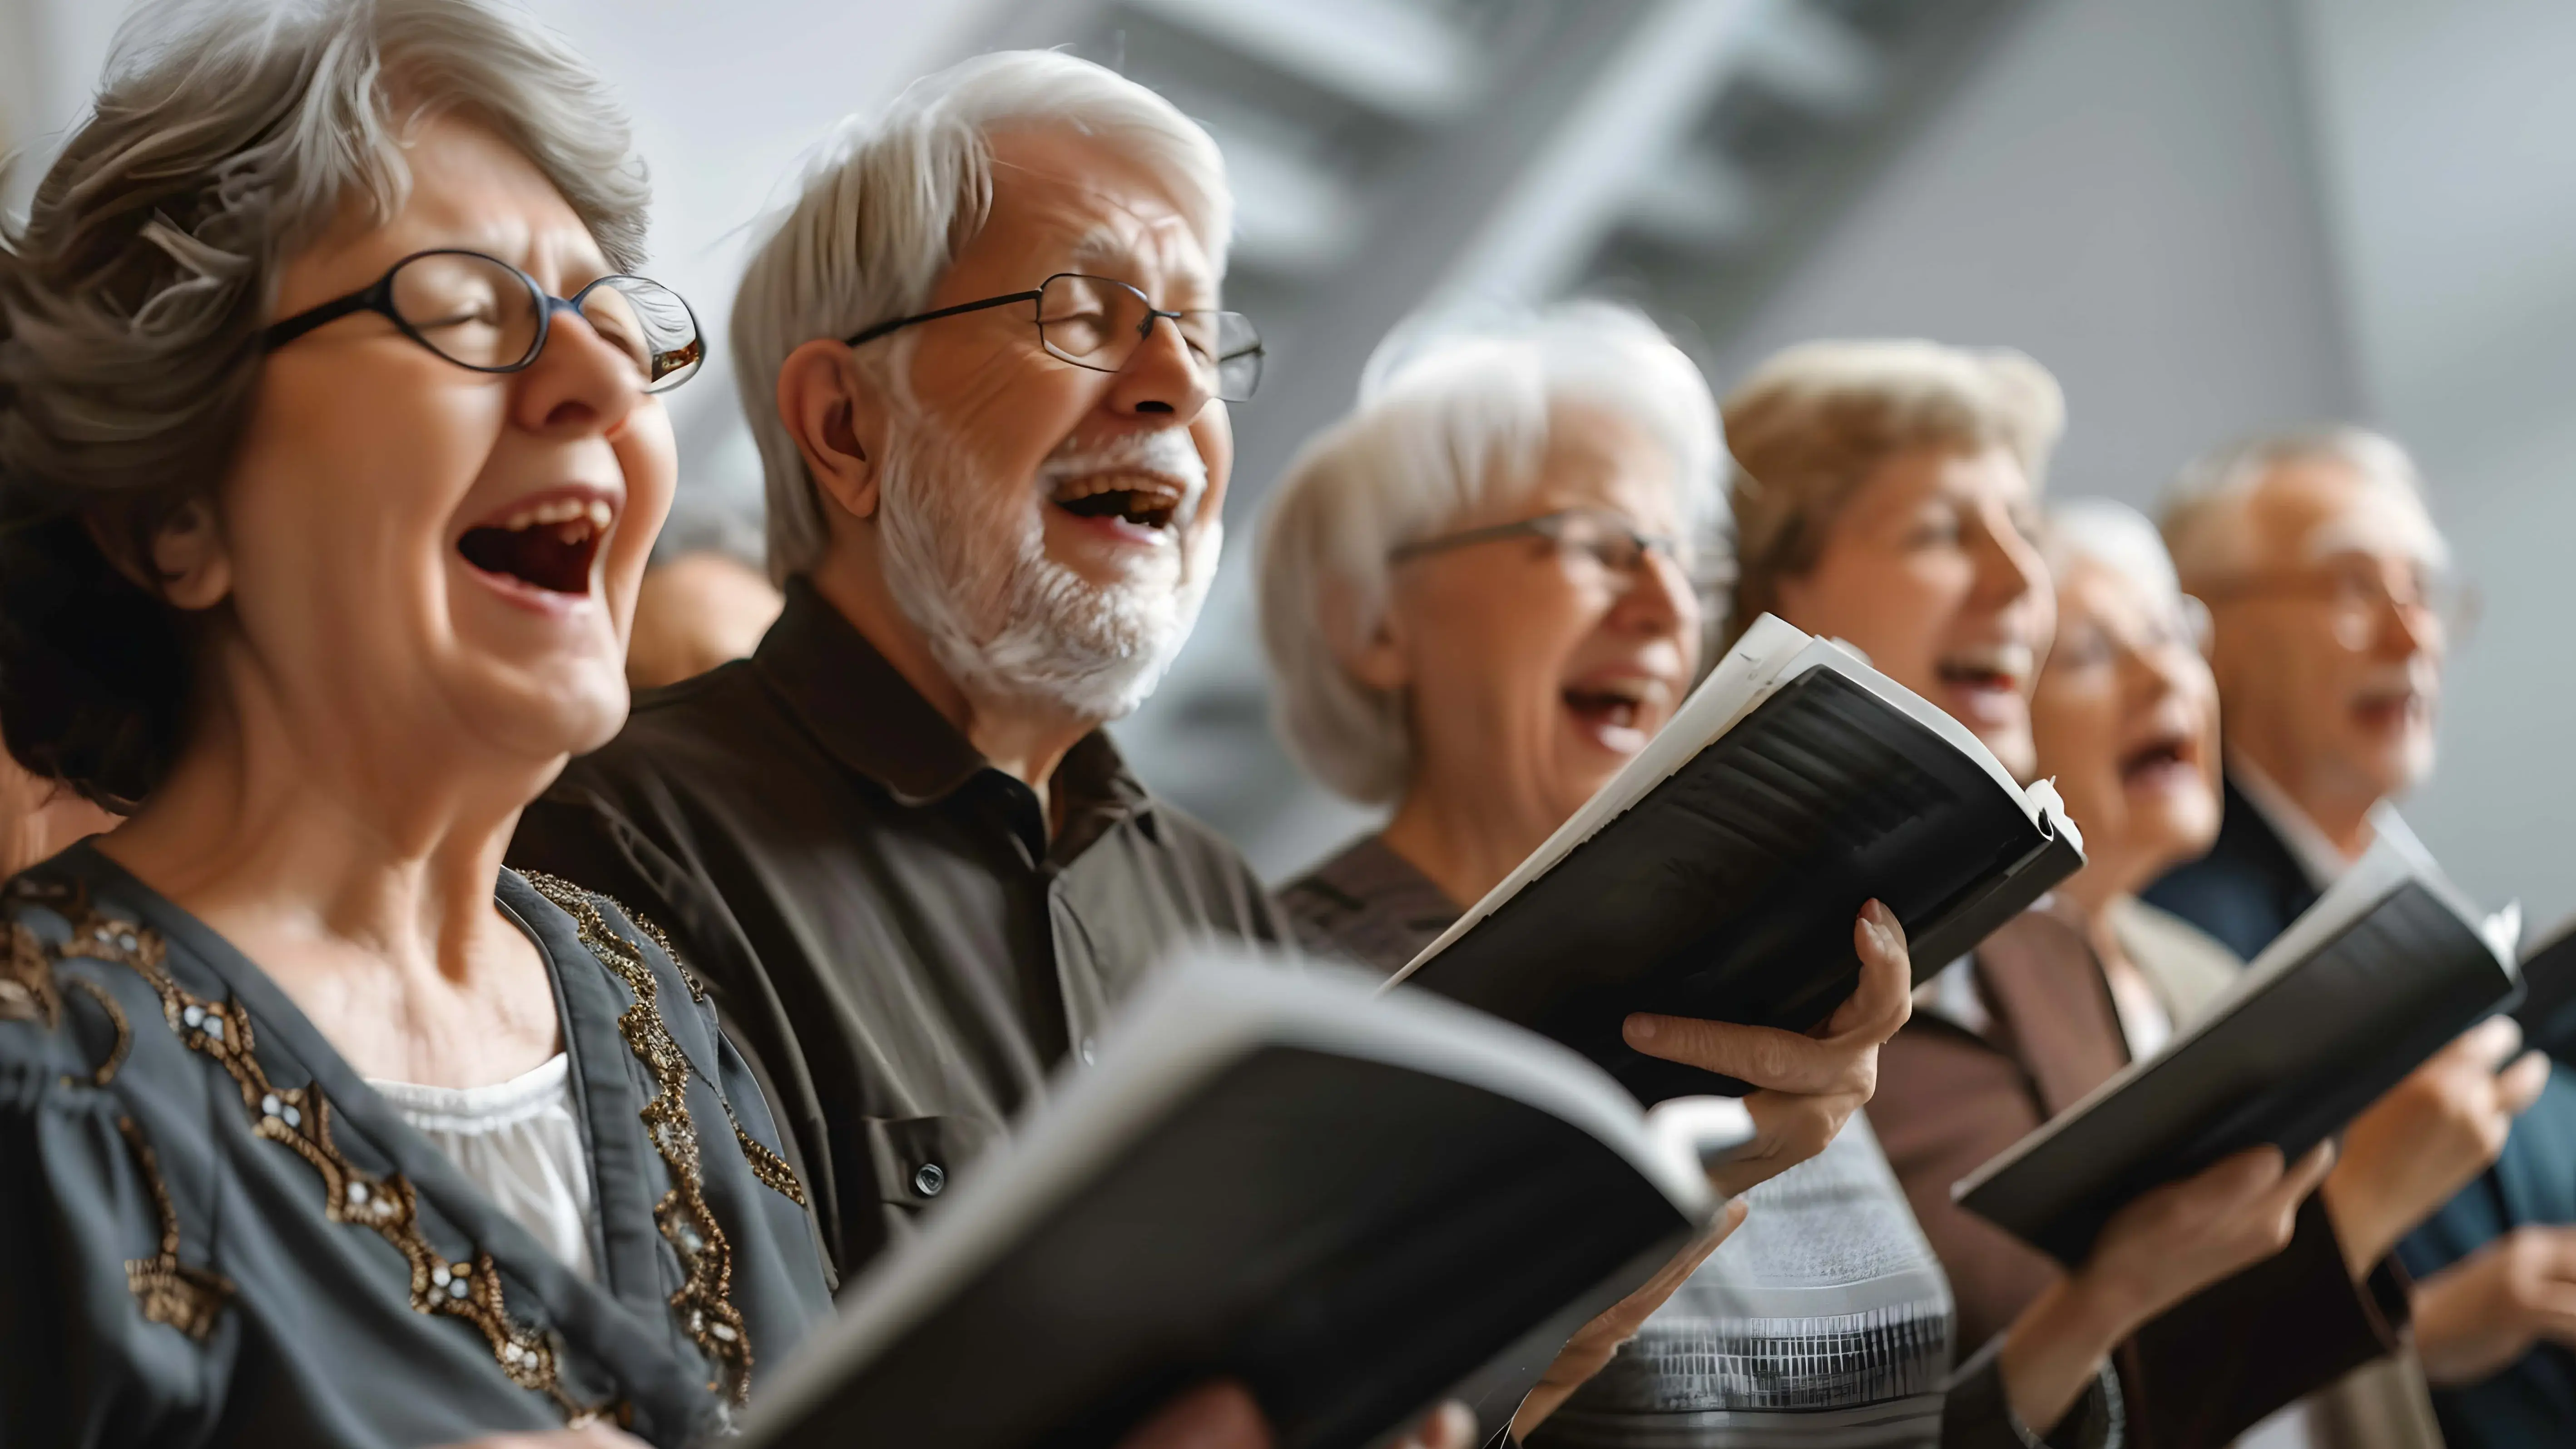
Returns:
(321, 515)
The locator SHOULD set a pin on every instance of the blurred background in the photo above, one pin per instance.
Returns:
(2206, 216)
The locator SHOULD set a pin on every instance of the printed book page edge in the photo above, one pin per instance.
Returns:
(1200, 1016)
(2385, 867)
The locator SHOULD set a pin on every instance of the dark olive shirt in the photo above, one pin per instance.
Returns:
(883, 917)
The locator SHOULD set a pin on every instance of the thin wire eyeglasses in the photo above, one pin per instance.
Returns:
(2358, 594)
(1099, 322)
(486, 315)
(1620, 548)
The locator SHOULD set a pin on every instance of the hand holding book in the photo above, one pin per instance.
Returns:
(2428, 1137)
(1807, 1084)
(2165, 1246)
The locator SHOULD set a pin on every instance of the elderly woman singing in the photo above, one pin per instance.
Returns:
(331, 448)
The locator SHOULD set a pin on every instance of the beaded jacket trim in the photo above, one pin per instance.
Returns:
(169, 1291)
(300, 1118)
(703, 1300)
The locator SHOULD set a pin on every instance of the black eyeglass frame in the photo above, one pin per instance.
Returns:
(378, 297)
(1144, 329)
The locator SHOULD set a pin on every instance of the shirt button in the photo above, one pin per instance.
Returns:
(1086, 1051)
(929, 1178)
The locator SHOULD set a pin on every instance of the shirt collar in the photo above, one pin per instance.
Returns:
(2317, 856)
(872, 720)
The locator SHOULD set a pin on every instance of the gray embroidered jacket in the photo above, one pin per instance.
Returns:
(212, 1232)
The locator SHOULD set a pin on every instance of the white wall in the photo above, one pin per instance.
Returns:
(2448, 133)
(2121, 189)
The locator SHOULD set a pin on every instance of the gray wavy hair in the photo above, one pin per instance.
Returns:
(1456, 421)
(884, 208)
(227, 136)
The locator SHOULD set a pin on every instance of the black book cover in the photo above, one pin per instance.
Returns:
(2548, 1009)
(1729, 890)
(2320, 1031)
(1345, 1203)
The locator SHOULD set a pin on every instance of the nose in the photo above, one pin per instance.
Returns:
(1657, 599)
(2408, 629)
(1160, 382)
(2008, 567)
(579, 384)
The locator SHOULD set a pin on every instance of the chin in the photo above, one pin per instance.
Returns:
(572, 712)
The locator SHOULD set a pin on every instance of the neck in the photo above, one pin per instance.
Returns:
(1465, 840)
(274, 834)
(1024, 742)
(2341, 815)
(2084, 902)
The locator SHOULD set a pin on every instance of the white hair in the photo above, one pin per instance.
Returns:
(2200, 510)
(883, 210)
(1446, 424)
(2114, 535)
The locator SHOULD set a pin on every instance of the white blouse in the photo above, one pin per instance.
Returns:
(520, 1142)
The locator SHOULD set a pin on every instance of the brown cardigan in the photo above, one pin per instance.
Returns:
(1949, 1098)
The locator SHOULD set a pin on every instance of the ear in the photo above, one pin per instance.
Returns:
(1380, 660)
(189, 565)
(838, 421)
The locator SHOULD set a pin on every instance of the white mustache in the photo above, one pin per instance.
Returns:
(1169, 452)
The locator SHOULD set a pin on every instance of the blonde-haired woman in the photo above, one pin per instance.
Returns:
(1887, 493)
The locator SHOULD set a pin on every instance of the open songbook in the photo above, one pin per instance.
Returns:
(2383, 971)
(1718, 874)
(1345, 1202)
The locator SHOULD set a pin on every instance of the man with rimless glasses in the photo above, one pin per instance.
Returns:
(986, 359)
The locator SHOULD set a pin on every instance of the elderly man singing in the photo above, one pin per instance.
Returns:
(986, 360)
(2333, 614)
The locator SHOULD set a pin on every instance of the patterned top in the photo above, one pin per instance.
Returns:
(212, 1231)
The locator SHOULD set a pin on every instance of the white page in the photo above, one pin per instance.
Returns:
(1769, 655)
(2380, 872)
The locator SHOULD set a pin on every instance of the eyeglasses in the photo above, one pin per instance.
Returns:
(1099, 322)
(2087, 651)
(482, 313)
(2359, 592)
(1598, 535)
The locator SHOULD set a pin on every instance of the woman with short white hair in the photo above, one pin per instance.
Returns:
(1478, 598)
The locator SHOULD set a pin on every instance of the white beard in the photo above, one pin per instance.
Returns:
(1009, 624)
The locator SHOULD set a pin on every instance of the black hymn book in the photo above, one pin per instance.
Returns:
(1718, 875)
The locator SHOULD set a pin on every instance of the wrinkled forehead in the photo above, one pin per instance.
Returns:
(1068, 202)
(2326, 509)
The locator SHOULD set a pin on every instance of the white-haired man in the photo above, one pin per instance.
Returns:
(2333, 611)
(985, 360)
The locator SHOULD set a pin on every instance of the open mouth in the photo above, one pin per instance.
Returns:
(2387, 709)
(1141, 500)
(2158, 759)
(1619, 712)
(1997, 668)
(548, 545)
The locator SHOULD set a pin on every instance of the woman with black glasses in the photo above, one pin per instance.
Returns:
(330, 454)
